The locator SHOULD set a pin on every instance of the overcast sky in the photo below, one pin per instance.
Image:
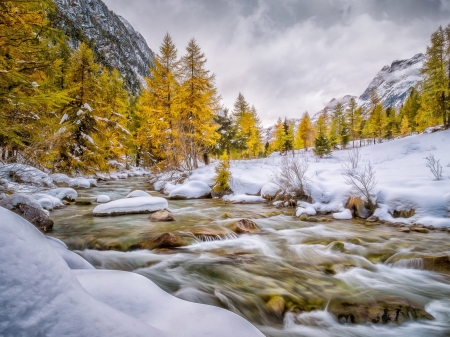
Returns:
(289, 56)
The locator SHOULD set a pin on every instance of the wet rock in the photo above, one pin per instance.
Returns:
(440, 264)
(220, 194)
(404, 229)
(83, 202)
(379, 311)
(212, 233)
(226, 216)
(358, 208)
(166, 240)
(29, 209)
(420, 229)
(276, 305)
(356, 241)
(337, 246)
(373, 218)
(244, 226)
(404, 213)
(161, 216)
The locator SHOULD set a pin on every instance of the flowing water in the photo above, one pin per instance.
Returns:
(311, 266)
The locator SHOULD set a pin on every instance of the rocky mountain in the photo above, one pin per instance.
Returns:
(394, 82)
(114, 41)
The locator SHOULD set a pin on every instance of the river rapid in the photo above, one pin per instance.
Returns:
(291, 279)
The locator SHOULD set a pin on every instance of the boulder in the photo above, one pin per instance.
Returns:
(166, 240)
(161, 216)
(138, 205)
(440, 264)
(373, 218)
(137, 193)
(404, 213)
(377, 311)
(357, 207)
(244, 226)
(29, 209)
(83, 202)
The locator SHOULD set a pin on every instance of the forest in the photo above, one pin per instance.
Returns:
(62, 111)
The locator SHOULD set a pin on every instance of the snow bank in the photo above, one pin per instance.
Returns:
(191, 190)
(243, 198)
(41, 296)
(138, 193)
(309, 210)
(404, 182)
(131, 206)
(74, 261)
(80, 183)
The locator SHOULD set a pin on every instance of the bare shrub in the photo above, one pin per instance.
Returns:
(434, 166)
(364, 182)
(353, 159)
(290, 176)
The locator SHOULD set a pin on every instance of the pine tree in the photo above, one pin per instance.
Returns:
(228, 132)
(159, 131)
(411, 108)
(305, 133)
(378, 122)
(30, 71)
(436, 83)
(352, 115)
(322, 146)
(223, 177)
(287, 140)
(79, 148)
(198, 105)
(405, 129)
(339, 128)
(278, 133)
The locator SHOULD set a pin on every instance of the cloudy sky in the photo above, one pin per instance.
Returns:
(289, 56)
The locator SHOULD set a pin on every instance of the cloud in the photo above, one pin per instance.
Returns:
(288, 56)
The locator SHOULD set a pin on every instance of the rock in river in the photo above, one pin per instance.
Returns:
(161, 216)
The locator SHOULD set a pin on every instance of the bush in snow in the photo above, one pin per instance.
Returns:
(434, 166)
(290, 176)
(364, 182)
(353, 159)
(222, 178)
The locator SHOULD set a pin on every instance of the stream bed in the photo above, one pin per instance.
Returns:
(294, 278)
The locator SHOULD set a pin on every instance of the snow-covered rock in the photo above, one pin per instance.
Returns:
(191, 190)
(93, 182)
(24, 174)
(346, 214)
(80, 183)
(243, 199)
(62, 193)
(269, 190)
(122, 175)
(60, 179)
(103, 199)
(45, 198)
(73, 260)
(41, 296)
(131, 206)
(46, 203)
(308, 210)
(138, 193)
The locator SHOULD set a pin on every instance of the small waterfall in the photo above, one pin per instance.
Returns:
(209, 238)
(414, 263)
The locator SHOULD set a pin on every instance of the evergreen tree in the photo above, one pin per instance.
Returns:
(223, 176)
(305, 133)
(199, 103)
(339, 128)
(228, 132)
(377, 122)
(411, 108)
(30, 72)
(83, 128)
(279, 136)
(436, 84)
(352, 115)
(287, 141)
(158, 134)
(322, 146)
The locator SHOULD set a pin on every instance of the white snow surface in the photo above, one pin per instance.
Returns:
(403, 180)
(308, 210)
(63, 192)
(80, 182)
(269, 190)
(138, 193)
(132, 205)
(41, 296)
(191, 190)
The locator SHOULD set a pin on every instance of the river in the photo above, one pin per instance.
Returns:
(287, 280)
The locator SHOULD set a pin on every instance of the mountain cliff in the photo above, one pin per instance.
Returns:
(114, 41)
(393, 83)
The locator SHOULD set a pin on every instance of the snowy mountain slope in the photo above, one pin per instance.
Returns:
(394, 82)
(115, 42)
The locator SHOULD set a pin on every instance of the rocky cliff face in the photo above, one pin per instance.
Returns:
(394, 82)
(114, 41)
